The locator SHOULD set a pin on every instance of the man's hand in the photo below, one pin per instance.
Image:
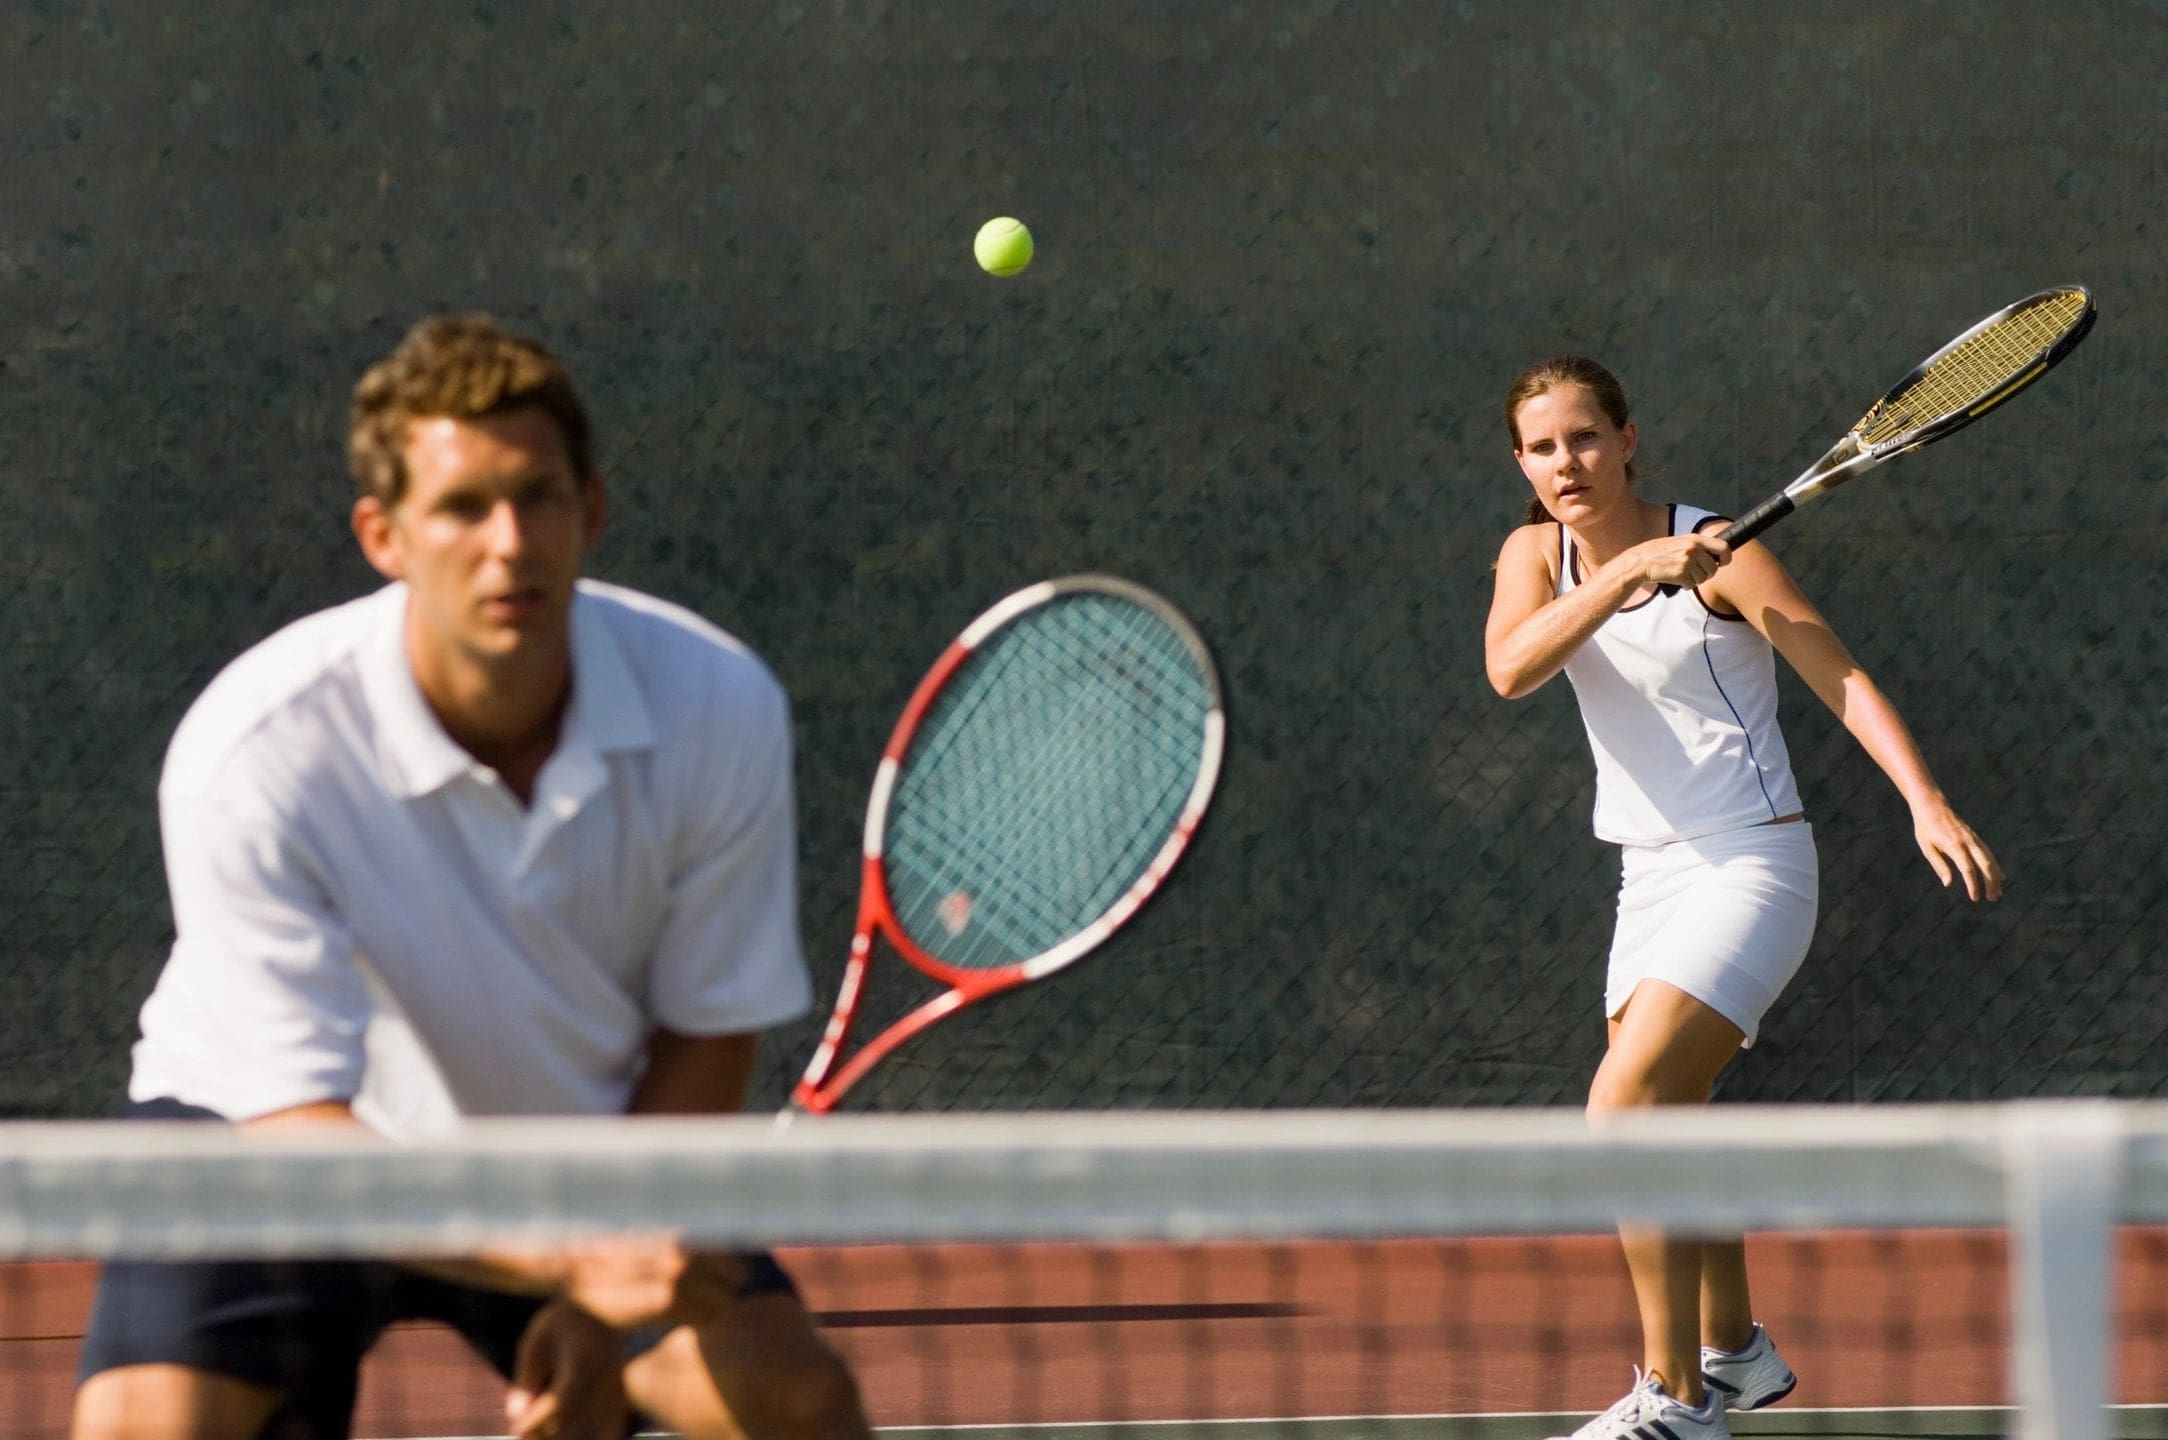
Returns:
(636, 1281)
(568, 1382)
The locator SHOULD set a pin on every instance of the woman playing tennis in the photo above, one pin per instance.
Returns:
(1718, 893)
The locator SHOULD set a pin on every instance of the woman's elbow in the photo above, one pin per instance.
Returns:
(1509, 683)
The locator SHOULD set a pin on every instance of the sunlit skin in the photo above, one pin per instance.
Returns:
(1573, 455)
(489, 538)
(1665, 1046)
(1575, 459)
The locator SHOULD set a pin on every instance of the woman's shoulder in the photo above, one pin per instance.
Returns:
(1531, 545)
(1538, 538)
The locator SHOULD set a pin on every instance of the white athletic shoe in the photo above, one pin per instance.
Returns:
(1747, 1378)
(1650, 1413)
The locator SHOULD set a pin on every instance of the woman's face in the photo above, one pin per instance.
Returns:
(1571, 452)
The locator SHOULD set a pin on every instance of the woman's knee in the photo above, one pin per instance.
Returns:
(1667, 1048)
(1623, 1087)
(1638, 1077)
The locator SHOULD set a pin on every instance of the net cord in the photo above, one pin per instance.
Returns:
(81, 1189)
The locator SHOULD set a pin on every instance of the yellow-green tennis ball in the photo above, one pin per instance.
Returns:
(1003, 246)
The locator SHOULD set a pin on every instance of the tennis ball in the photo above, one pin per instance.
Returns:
(1003, 246)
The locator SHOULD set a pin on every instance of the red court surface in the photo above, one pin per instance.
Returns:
(1045, 1334)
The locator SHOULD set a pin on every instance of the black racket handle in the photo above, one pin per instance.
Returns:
(1749, 525)
(1756, 520)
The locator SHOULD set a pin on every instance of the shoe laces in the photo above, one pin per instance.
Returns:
(1644, 1401)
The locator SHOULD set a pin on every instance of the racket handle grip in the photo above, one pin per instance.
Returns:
(1749, 525)
(1756, 520)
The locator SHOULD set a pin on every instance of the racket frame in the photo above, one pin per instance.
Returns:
(1852, 457)
(823, 1083)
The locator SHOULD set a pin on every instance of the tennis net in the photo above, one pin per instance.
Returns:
(1943, 1270)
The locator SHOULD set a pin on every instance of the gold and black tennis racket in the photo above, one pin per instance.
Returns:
(1948, 391)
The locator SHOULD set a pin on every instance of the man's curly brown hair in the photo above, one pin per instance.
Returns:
(462, 366)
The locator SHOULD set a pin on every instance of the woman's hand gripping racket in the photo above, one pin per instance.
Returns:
(1044, 778)
(1948, 391)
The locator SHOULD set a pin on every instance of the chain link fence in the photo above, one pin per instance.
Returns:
(1289, 258)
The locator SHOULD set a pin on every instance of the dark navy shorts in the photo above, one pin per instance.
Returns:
(300, 1326)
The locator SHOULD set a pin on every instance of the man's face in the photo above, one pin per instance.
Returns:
(489, 536)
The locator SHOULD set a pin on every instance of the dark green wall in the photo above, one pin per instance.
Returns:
(1289, 257)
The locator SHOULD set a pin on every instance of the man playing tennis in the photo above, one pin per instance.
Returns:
(492, 840)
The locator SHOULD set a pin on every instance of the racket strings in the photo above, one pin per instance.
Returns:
(1005, 872)
(1011, 865)
(1974, 368)
(1072, 662)
(1003, 891)
(1045, 780)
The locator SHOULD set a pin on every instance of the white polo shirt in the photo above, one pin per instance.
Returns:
(364, 912)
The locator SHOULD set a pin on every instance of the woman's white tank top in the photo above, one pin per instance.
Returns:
(1680, 705)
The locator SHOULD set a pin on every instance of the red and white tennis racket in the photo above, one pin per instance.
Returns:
(1042, 782)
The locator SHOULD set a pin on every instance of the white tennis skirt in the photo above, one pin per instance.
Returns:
(1726, 918)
